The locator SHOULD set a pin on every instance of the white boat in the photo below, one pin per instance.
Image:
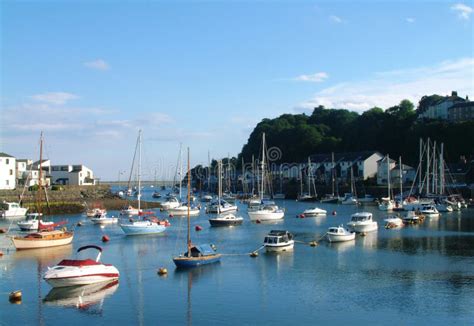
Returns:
(73, 272)
(206, 198)
(279, 196)
(43, 239)
(339, 234)
(32, 222)
(94, 211)
(224, 207)
(349, 199)
(103, 219)
(446, 208)
(226, 220)
(386, 204)
(367, 199)
(171, 202)
(393, 222)
(429, 210)
(130, 211)
(315, 211)
(267, 212)
(277, 241)
(412, 217)
(362, 222)
(254, 203)
(183, 211)
(12, 210)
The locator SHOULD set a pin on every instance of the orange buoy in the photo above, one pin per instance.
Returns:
(15, 297)
(2, 230)
(198, 228)
(162, 271)
(1, 253)
(105, 238)
(254, 254)
(334, 213)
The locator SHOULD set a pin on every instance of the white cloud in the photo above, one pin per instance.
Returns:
(410, 20)
(58, 98)
(98, 64)
(336, 19)
(388, 88)
(463, 11)
(315, 78)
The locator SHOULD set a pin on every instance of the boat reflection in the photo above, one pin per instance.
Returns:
(341, 247)
(44, 256)
(89, 298)
(369, 241)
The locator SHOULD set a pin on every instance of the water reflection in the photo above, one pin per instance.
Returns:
(369, 241)
(88, 298)
(341, 247)
(44, 256)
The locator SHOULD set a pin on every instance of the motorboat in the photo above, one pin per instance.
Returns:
(367, 199)
(94, 211)
(103, 219)
(130, 211)
(362, 222)
(277, 241)
(339, 234)
(446, 208)
(147, 225)
(43, 239)
(183, 210)
(223, 207)
(171, 202)
(32, 222)
(429, 211)
(315, 211)
(306, 197)
(226, 220)
(266, 212)
(349, 199)
(73, 272)
(12, 210)
(393, 222)
(386, 204)
(156, 194)
(254, 203)
(412, 217)
(206, 198)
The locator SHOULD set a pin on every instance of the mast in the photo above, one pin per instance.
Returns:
(434, 179)
(428, 167)
(209, 172)
(388, 176)
(263, 167)
(253, 175)
(180, 171)
(189, 207)
(332, 172)
(420, 179)
(401, 178)
(441, 170)
(40, 175)
(219, 186)
(139, 168)
(309, 177)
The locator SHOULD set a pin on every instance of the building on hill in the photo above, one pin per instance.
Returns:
(463, 111)
(363, 165)
(78, 175)
(440, 109)
(7, 171)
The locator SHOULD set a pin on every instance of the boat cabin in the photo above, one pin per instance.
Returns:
(361, 217)
(277, 236)
(336, 230)
(201, 250)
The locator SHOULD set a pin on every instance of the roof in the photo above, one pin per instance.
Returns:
(383, 160)
(278, 232)
(5, 155)
(404, 167)
(347, 156)
(205, 249)
(462, 105)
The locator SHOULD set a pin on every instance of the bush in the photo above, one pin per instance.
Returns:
(56, 188)
(33, 188)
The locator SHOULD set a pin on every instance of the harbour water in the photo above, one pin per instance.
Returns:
(415, 275)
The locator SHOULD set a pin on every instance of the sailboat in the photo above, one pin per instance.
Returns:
(171, 200)
(307, 196)
(331, 198)
(280, 194)
(197, 254)
(266, 211)
(149, 224)
(387, 203)
(221, 205)
(350, 198)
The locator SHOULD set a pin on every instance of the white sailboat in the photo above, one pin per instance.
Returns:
(268, 211)
(387, 203)
(220, 206)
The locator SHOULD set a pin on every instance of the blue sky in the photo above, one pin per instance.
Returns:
(91, 73)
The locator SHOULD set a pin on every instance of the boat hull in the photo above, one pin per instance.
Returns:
(189, 262)
(222, 222)
(340, 237)
(81, 280)
(362, 228)
(107, 220)
(22, 243)
(184, 212)
(135, 229)
(279, 247)
(265, 216)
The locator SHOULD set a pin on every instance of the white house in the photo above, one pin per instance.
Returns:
(384, 166)
(72, 175)
(440, 110)
(363, 165)
(7, 171)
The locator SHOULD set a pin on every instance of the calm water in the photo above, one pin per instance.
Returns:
(418, 274)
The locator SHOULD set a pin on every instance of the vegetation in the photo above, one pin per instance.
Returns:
(394, 131)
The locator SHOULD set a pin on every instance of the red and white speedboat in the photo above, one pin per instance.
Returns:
(72, 272)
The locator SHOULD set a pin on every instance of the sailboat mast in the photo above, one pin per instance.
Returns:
(401, 178)
(388, 176)
(441, 170)
(209, 172)
(219, 186)
(40, 174)
(139, 168)
(180, 171)
(420, 179)
(263, 167)
(428, 167)
(309, 177)
(189, 207)
(332, 172)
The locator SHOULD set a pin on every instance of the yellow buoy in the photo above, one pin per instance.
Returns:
(162, 271)
(313, 243)
(254, 254)
(15, 297)
(363, 234)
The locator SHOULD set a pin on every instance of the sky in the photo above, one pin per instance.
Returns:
(90, 74)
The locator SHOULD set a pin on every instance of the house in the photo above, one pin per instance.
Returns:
(363, 165)
(27, 172)
(72, 175)
(7, 171)
(384, 166)
(440, 109)
(463, 111)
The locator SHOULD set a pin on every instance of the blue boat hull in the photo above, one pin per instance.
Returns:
(131, 229)
(185, 262)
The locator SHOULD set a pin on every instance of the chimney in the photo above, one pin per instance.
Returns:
(467, 98)
(454, 93)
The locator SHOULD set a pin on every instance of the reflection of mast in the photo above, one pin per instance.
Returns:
(189, 310)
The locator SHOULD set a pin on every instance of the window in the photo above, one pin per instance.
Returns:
(7, 182)
(11, 172)
(7, 161)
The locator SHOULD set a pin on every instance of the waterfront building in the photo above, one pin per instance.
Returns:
(463, 111)
(78, 175)
(7, 171)
(440, 109)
